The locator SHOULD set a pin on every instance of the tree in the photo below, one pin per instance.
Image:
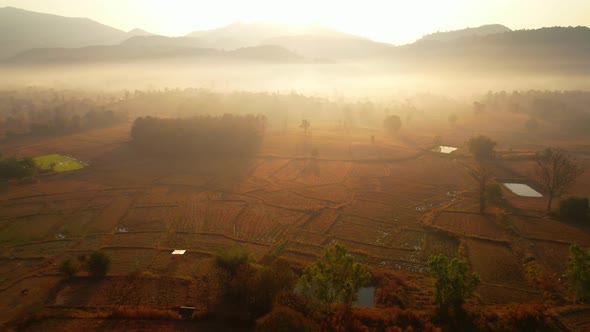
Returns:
(453, 282)
(494, 192)
(556, 171)
(453, 118)
(482, 147)
(392, 124)
(578, 271)
(232, 259)
(334, 277)
(574, 208)
(483, 175)
(305, 124)
(98, 264)
(69, 267)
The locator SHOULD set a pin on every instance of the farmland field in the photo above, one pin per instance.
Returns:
(58, 163)
(391, 213)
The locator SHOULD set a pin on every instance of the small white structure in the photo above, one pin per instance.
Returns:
(178, 252)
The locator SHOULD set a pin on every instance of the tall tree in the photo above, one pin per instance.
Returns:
(556, 171)
(453, 282)
(335, 277)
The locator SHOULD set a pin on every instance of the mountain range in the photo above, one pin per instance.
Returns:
(36, 38)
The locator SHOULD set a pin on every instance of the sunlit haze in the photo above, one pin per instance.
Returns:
(391, 21)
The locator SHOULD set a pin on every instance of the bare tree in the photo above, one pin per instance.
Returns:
(557, 171)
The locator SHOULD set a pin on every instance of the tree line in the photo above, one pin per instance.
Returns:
(13, 168)
(55, 112)
(200, 136)
(568, 109)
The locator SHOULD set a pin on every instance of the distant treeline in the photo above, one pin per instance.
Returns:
(285, 110)
(12, 168)
(52, 112)
(200, 136)
(568, 109)
(63, 124)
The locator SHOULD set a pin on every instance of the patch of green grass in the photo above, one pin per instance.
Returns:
(58, 163)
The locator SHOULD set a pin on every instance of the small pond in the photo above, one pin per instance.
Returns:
(522, 189)
(366, 297)
(445, 149)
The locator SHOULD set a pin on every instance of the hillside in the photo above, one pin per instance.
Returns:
(563, 49)
(483, 30)
(21, 30)
(149, 48)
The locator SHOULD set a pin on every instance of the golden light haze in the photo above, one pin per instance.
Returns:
(390, 21)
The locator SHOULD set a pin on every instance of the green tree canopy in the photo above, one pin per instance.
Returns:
(578, 271)
(453, 282)
(335, 277)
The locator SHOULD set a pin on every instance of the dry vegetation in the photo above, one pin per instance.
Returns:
(393, 203)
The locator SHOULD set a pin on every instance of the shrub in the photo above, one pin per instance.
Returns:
(232, 259)
(69, 267)
(494, 192)
(578, 271)
(574, 207)
(285, 319)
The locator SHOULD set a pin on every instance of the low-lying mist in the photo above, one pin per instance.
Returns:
(349, 80)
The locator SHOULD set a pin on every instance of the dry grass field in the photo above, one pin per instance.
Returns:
(392, 203)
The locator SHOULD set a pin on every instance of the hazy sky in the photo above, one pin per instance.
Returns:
(394, 21)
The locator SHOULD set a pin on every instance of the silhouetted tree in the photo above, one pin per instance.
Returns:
(392, 124)
(98, 264)
(494, 192)
(574, 208)
(482, 147)
(228, 135)
(453, 118)
(305, 124)
(556, 171)
(69, 267)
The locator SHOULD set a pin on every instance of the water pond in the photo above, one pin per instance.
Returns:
(522, 189)
(366, 297)
(445, 149)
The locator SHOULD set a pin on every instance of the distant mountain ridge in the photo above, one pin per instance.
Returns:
(21, 30)
(480, 31)
(131, 51)
(545, 49)
(28, 37)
